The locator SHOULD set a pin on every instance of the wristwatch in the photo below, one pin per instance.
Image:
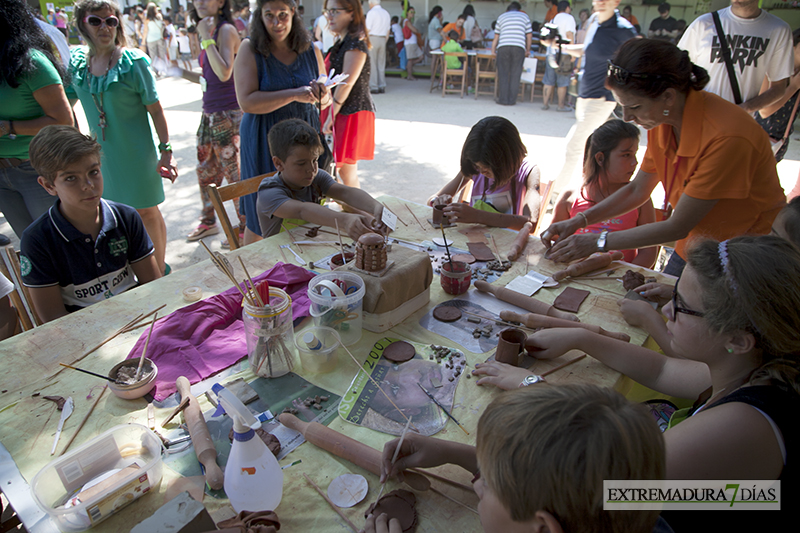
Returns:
(602, 241)
(530, 380)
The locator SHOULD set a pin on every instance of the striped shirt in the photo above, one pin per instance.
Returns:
(512, 26)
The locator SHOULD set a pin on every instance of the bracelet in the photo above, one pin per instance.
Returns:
(585, 220)
(165, 147)
(208, 42)
(337, 101)
(12, 134)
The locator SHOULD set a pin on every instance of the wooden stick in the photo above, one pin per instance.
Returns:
(415, 217)
(333, 506)
(341, 246)
(440, 493)
(144, 350)
(498, 321)
(283, 254)
(95, 374)
(252, 285)
(138, 323)
(85, 418)
(292, 237)
(394, 457)
(494, 243)
(312, 227)
(444, 479)
(559, 367)
(224, 269)
(377, 385)
(395, 214)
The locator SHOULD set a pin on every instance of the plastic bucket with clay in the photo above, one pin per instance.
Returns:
(336, 301)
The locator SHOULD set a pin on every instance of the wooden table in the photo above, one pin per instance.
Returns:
(27, 424)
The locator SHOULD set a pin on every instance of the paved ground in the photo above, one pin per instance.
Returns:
(418, 145)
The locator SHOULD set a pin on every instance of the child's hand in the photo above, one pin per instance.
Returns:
(418, 451)
(464, 213)
(500, 375)
(637, 313)
(554, 342)
(438, 200)
(657, 292)
(358, 225)
(382, 524)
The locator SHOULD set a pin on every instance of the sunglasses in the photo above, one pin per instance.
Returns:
(621, 76)
(334, 11)
(93, 20)
(678, 309)
(281, 17)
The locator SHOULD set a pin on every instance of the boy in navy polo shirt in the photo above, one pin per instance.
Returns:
(84, 249)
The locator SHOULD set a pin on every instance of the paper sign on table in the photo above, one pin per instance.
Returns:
(527, 284)
(389, 218)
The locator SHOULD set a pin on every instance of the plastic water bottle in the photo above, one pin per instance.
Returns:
(253, 477)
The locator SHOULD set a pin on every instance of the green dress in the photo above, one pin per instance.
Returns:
(129, 160)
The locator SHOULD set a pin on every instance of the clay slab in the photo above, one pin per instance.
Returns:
(347, 490)
(570, 299)
(481, 251)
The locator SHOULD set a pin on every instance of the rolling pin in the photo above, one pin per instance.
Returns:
(590, 264)
(525, 302)
(342, 446)
(535, 321)
(201, 438)
(520, 242)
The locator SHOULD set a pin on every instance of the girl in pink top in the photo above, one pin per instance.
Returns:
(609, 161)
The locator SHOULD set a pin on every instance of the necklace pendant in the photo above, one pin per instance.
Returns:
(103, 124)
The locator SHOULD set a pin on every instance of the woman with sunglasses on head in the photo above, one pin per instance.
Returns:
(218, 133)
(714, 161)
(733, 320)
(31, 97)
(117, 89)
(351, 117)
(275, 74)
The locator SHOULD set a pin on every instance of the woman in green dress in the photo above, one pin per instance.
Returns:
(117, 89)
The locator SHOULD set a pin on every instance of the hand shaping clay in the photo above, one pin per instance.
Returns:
(631, 280)
(481, 251)
(570, 300)
(446, 313)
(397, 504)
(400, 351)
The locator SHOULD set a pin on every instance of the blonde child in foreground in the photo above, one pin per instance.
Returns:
(297, 188)
(732, 321)
(541, 457)
(84, 249)
(505, 184)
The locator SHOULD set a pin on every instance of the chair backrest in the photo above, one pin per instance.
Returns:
(230, 192)
(20, 296)
(460, 55)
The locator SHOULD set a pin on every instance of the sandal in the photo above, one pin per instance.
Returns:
(203, 230)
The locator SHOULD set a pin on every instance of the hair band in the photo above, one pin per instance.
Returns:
(725, 261)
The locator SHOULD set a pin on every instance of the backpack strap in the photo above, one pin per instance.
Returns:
(726, 55)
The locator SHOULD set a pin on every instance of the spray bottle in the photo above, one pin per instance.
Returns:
(253, 477)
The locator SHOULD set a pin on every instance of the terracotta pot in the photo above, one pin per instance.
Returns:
(336, 260)
(438, 216)
(509, 346)
(457, 280)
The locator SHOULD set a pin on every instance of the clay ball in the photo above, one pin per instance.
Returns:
(371, 239)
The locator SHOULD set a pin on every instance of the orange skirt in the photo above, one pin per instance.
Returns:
(354, 138)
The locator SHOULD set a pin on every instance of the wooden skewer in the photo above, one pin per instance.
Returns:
(224, 269)
(377, 385)
(395, 214)
(314, 227)
(394, 457)
(333, 506)
(559, 367)
(341, 246)
(415, 217)
(496, 250)
(144, 350)
(498, 321)
(136, 324)
(85, 418)
(283, 254)
(252, 285)
(291, 237)
(444, 479)
(440, 493)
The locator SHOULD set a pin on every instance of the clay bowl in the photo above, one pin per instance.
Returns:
(135, 390)
(336, 260)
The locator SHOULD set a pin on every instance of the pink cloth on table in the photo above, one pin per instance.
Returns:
(199, 340)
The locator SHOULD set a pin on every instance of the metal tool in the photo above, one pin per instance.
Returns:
(299, 259)
(69, 406)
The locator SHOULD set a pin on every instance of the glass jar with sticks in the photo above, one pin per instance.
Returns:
(269, 333)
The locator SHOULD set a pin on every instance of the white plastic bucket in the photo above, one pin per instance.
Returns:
(336, 300)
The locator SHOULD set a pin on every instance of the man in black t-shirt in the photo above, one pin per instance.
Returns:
(664, 28)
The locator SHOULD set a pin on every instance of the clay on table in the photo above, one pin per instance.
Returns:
(466, 258)
(399, 352)
(570, 300)
(397, 504)
(481, 251)
(632, 279)
(269, 439)
(447, 313)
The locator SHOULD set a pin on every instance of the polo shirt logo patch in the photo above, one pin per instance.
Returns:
(24, 265)
(117, 247)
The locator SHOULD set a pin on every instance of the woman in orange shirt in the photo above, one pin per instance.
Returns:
(714, 161)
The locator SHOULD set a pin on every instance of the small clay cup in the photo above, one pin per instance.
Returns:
(336, 260)
(438, 217)
(134, 390)
(457, 280)
(509, 346)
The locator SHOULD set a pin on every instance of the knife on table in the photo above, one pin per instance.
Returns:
(65, 412)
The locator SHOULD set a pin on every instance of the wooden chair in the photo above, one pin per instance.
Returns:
(486, 71)
(436, 70)
(20, 297)
(230, 192)
(447, 71)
